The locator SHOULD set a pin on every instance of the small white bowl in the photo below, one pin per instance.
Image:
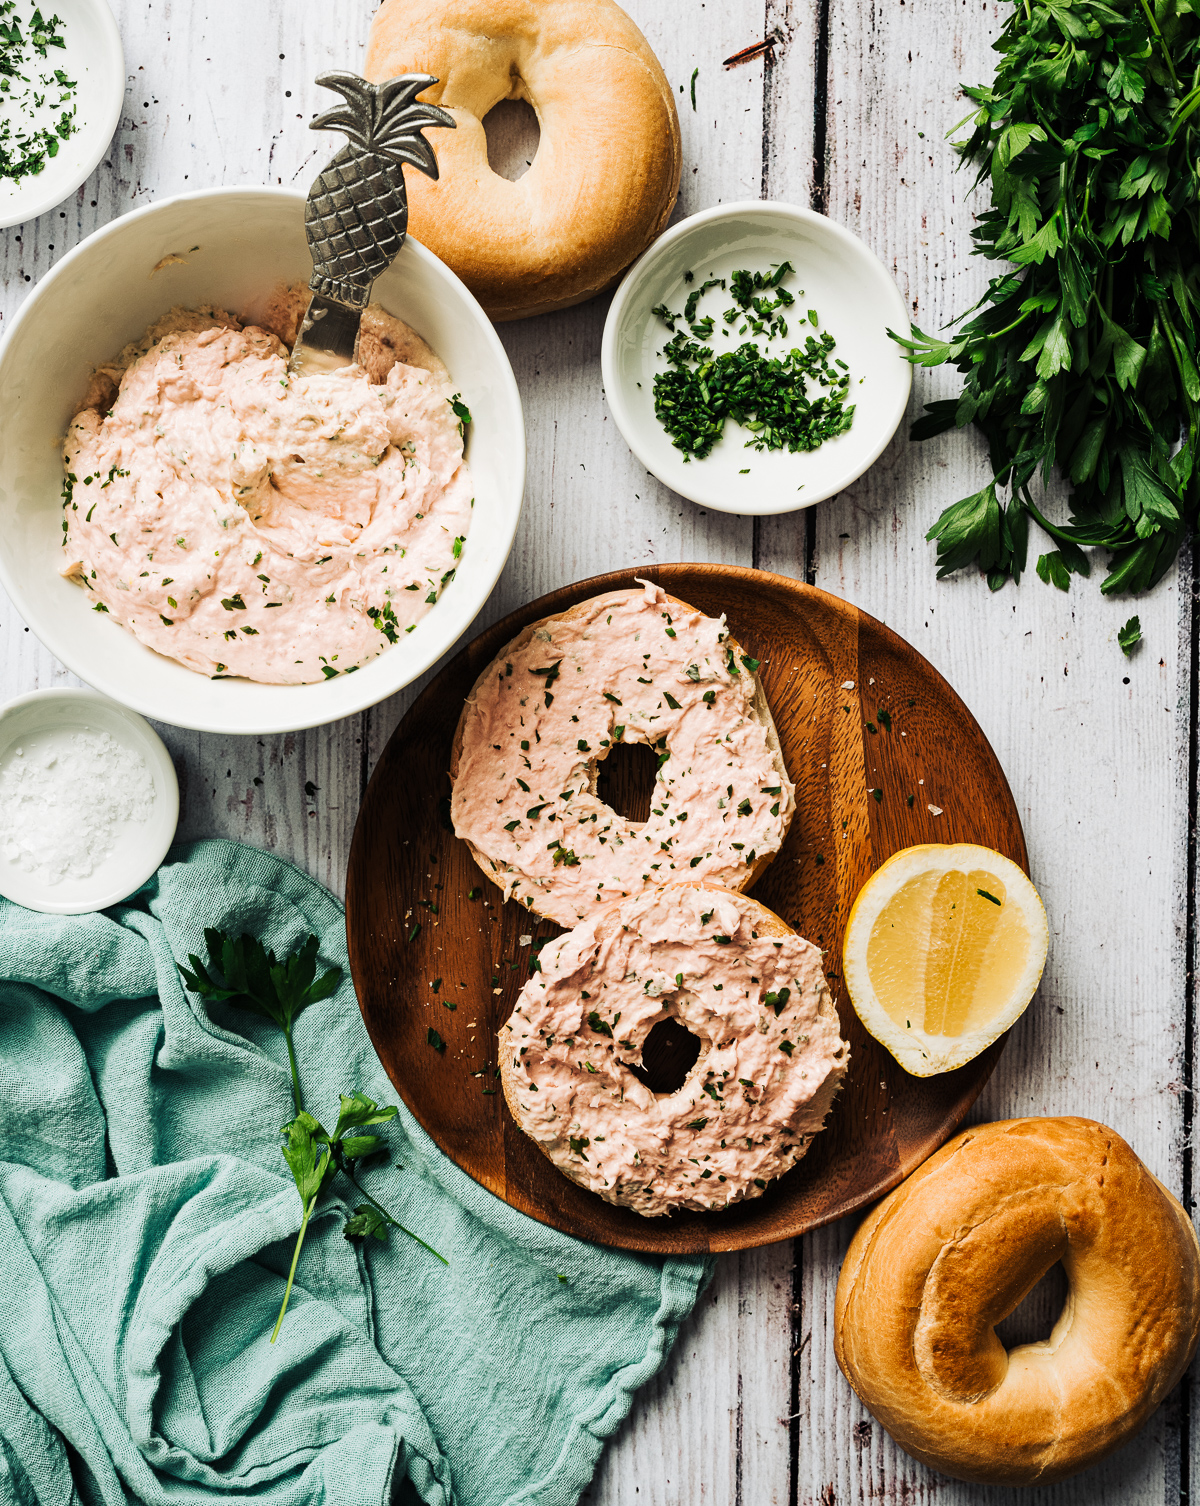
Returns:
(855, 300)
(93, 57)
(231, 246)
(140, 846)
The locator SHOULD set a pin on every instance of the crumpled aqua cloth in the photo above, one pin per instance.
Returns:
(147, 1221)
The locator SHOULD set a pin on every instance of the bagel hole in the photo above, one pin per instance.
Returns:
(625, 780)
(1031, 1321)
(513, 133)
(669, 1054)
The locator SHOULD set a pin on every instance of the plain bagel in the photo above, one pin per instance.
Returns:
(606, 174)
(961, 1243)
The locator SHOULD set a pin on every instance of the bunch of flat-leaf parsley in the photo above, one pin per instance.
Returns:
(1083, 354)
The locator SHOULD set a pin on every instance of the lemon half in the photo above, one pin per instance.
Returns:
(944, 949)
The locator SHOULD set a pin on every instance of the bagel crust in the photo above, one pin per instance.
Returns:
(959, 1245)
(632, 666)
(606, 174)
(771, 1054)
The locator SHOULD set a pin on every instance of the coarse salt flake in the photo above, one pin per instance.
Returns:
(63, 798)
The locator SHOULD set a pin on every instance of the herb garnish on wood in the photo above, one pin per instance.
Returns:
(1083, 356)
(241, 972)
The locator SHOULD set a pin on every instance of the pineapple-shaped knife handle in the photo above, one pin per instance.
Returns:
(357, 210)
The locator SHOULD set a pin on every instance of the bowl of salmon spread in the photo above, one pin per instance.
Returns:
(218, 542)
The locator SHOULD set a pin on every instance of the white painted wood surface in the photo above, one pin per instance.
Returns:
(850, 115)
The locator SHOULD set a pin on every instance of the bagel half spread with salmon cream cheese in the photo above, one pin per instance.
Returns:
(626, 668)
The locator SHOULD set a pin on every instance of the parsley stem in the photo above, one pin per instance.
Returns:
(297, 1098)
(382, 1211)
(1162, 44)
(295, 1258)
(1044, 522)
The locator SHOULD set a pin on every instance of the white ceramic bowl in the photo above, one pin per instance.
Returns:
(138, 847)
(856, 301)
(92, 57)
(236, 244)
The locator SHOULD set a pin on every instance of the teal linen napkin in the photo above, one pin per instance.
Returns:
(147, 1221)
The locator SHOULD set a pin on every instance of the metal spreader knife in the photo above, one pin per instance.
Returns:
(356, 216)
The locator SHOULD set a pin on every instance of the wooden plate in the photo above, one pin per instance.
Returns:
(873, 738)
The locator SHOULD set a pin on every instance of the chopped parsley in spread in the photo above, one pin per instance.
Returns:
(526, 792)
(278, 540)
(743, 1114)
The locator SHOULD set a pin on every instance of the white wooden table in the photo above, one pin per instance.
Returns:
(849, 117)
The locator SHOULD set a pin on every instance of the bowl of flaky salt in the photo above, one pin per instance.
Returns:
(219, 542)
(88, 801)
(64, 86)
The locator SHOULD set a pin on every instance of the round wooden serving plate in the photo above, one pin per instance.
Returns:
(872, 736)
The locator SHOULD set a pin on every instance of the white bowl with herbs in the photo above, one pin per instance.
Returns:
(96, 606)
(63, 89)
(747, 362)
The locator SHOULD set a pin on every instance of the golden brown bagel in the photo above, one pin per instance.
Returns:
(606, 173)
(961, 1243)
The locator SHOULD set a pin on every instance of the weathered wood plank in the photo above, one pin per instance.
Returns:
(1090, 741)
(712, 1426)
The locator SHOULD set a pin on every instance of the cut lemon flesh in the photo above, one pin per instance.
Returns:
(944, 949)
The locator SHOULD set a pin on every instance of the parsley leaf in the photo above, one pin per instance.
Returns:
(242, 973)
(1130, 636)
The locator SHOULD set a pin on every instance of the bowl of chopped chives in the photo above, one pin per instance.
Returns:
(746, 358)
(62, 85)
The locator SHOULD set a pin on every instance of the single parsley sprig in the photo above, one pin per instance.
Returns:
(315, 1156)
(1082, 357)
(243, 973)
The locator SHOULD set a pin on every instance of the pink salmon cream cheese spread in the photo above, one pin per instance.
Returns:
(632, 666)
(771, 1057)
(248, 522)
